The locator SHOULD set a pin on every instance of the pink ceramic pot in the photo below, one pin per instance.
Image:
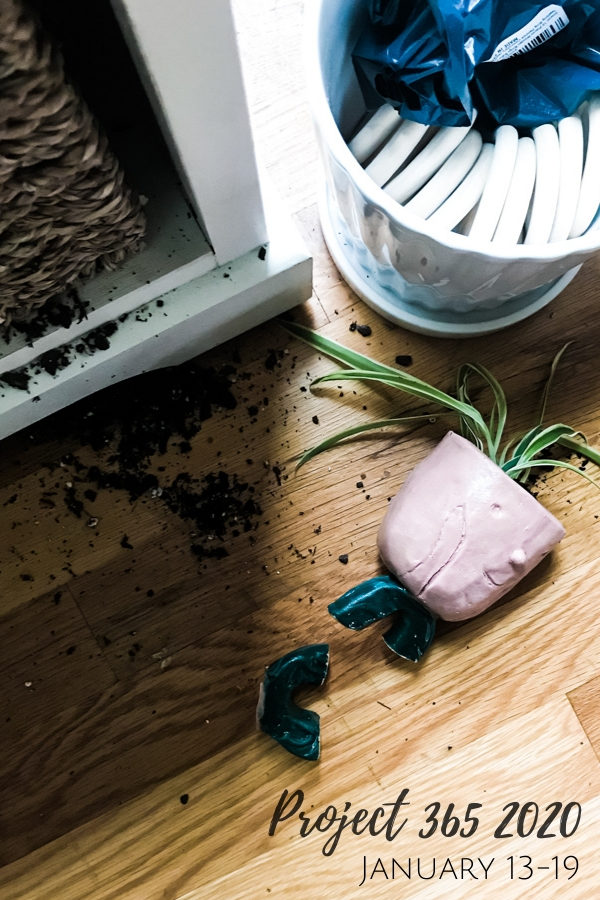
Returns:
(460, 533)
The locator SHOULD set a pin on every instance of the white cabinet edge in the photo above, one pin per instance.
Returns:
(187, 55)
(173, 328)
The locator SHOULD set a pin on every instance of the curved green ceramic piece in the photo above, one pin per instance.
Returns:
(383, 596)
(295, 728)
(369, 601)
(413, 632)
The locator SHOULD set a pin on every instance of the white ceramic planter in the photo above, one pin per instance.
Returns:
(414, 272)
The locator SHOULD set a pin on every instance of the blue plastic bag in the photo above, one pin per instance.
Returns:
(516, 62)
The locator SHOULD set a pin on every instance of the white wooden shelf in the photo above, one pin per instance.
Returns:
(172, 327)
(183, 293)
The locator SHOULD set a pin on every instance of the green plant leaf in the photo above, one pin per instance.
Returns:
(340, 436)
(552, 463)
(524, 441)
(536, 440)
(581, 447)
(498, 413)
(334, 350)
(365, 368)
(409, 385)
(467, 429)
(550, 379)
(546, 438)
(504, 455)
(518, 456)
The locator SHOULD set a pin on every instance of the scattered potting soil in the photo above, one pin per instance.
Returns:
(363, 330)
(130, 425)
(219, 505)
(55, 360)
(18, 379)
(271, 360)
(60, 311)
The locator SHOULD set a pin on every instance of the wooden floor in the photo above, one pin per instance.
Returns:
(130, 764)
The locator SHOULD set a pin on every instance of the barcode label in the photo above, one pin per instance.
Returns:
(548, 22)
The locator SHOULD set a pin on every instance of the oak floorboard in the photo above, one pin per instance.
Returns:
(178, 852)
(584, 700)
(131, 769)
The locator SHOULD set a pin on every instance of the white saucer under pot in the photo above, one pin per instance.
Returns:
(415, 273)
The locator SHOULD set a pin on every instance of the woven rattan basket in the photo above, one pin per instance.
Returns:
(65, 211)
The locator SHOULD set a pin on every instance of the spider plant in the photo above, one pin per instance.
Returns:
(517, 457)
